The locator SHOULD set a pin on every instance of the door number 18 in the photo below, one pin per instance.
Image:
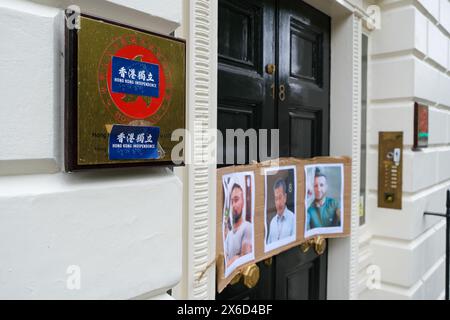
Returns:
(281, 92)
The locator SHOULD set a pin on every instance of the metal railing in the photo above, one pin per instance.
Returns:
(447, 242)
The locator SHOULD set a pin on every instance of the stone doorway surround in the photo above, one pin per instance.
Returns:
(199, 27)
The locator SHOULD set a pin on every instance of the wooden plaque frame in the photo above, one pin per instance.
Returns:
(73, 121)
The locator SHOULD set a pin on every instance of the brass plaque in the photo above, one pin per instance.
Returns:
(390, 170)
(121, 79)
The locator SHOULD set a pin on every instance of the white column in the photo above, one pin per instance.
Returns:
(200, 28)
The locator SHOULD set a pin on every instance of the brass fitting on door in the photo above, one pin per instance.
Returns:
(251, 276)
(271, 68)
(268, 261)
(236, 279)
(305, 246)
(320, 245)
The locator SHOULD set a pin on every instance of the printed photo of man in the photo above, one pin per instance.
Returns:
(238, 241)
(237, 219)
(280, 207)
(283, 223)
(324, 212)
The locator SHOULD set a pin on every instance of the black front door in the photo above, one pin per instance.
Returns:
(292, 97)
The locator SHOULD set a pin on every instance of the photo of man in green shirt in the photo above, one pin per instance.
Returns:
(324, 211)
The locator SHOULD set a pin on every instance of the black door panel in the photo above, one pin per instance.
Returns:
(240, 33)
(300, 276)
(304, 57)
(305, 123)
(246, 46)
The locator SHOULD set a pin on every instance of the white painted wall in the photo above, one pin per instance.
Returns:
(410, 62)
(121, 227)
(30, 85)
(145, 14)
